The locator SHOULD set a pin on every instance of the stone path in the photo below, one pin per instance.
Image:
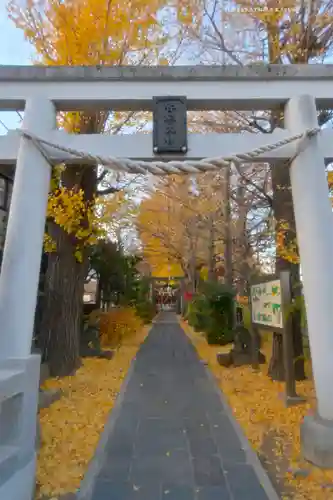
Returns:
(173, 438)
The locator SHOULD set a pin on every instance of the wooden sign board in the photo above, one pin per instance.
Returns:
(266, 304)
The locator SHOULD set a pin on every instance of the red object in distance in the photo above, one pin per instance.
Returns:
(188, 296)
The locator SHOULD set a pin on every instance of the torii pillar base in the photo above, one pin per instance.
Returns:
(317, 441)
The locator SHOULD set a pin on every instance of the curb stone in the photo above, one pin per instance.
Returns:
(86, 488)
(252, 457)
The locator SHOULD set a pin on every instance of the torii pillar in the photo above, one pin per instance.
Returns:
(314, 224)
(19, 369)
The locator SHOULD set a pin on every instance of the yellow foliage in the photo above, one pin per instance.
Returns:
(86, 33)
(330, 180)
(285, 23)
(258, 405)
(71, 427)
(204, 272)
(287, 251)
(166, 270)
(286, 247)
(77, 217)
(294, 31)
(49, 244)
(174, 220)
(86, 220)
(118, 325)
(94, 317)
(160, 224)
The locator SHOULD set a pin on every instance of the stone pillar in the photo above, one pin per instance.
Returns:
(24, 239)
(19, 369)
(314, 224)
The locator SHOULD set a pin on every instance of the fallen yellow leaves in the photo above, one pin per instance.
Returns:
(71, 427)
(257, 403)
(118, 324)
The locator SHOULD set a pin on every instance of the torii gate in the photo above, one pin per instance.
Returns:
(41, 91)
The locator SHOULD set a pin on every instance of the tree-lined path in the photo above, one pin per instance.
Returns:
(173, 437)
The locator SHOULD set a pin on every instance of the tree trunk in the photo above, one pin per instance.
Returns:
(211, 252)
(243, 252)
(192, 265)
(61, 323)
(283, 212)
(98, 299)
(298, 347)
(228, 259)
(299, 364)
(64, 288)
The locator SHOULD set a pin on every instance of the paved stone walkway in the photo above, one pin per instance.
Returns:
(173, 439)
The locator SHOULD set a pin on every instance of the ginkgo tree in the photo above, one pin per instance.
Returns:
(80, 32)
(161, 223)
(286, 238)
(246, 32)
(87, 222)
(295, 34)
(181, 223)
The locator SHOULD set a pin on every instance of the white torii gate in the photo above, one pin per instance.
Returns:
(41, 91)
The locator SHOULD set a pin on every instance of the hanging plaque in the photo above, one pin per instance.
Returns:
(169, 125)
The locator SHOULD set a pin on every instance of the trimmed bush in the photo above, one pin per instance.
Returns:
(144, 308)
(198, 313)
(146, 311)
(216, 336)
(212, 312)
(118, 325)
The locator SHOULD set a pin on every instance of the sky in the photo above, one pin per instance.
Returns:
(14, 50)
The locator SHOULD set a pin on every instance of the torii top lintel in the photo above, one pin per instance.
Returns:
(133, 88)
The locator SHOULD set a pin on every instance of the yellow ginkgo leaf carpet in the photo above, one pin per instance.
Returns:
(71, 427)
(258, 405)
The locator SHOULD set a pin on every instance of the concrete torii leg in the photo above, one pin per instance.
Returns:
(314, 224)
(19, 369)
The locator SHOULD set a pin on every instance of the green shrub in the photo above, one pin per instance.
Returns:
(145, 310)
(221, 301)
(212, 312)
(216, 336)
(198, 313)
(191, 314)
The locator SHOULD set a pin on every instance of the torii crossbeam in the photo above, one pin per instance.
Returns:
(42, 91)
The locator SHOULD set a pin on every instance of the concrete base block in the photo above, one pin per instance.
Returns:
(44, 373)
(19, 381)
(47, 397)
(21, 484)
(317, 441)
